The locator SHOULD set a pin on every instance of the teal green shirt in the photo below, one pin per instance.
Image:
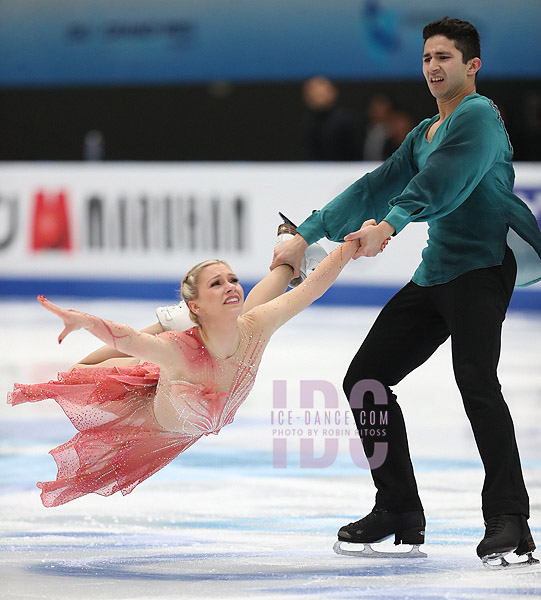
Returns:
(460, 183)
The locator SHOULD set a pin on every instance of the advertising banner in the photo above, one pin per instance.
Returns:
(135, 229)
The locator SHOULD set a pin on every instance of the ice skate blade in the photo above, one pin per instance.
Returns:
(368, 551)
(488, 561)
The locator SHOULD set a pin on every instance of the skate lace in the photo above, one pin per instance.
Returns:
(494, 526)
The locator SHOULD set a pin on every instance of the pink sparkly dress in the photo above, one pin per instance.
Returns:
(120, 441)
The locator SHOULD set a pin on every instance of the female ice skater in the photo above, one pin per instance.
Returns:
(133, 419)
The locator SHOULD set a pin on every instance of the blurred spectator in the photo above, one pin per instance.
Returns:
(377, 131)
(400, 124)
(93, 146)
(329, 131)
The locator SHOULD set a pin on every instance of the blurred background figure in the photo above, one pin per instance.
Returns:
(385, 129)
(377, 131)
(93, 146)
(329, 131)
(400, 124)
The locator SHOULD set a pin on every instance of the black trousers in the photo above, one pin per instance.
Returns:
(413, 324)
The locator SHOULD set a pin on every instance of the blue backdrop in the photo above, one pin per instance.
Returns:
(92, 42)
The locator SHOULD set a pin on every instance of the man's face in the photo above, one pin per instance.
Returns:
(445, 73)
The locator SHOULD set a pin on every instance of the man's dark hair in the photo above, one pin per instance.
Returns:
(463, 34)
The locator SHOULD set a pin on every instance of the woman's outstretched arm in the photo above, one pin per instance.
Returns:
(107, 353)
(278, 311)
(122, 338)
(271, 286)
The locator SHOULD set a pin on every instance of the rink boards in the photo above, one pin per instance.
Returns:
(132, 230)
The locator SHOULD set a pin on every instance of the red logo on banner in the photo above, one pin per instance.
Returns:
(50, 224)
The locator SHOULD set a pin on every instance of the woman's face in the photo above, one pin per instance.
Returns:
(219, 293)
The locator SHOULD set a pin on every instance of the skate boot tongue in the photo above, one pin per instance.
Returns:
(496, 525)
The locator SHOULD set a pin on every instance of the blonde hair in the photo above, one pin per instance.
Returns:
(189, 289)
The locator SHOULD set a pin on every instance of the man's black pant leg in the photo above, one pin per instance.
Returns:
(405, 334)
(475, 307)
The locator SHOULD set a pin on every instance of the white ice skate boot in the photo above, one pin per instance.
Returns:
(175, 318)
(313, 255)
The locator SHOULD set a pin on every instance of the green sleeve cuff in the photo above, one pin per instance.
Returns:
(312, 228)
(398, 218)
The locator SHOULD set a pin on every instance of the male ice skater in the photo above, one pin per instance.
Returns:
(453, 171)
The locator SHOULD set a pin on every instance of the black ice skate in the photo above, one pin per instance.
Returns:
(505, 534)
(407, 528)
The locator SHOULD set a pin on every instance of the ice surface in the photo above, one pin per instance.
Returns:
(221, 521)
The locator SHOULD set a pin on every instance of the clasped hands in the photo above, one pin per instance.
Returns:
(370, 240)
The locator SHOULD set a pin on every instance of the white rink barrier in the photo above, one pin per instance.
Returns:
(134, 229)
